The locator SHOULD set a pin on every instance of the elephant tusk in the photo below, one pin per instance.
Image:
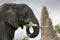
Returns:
(31, 24)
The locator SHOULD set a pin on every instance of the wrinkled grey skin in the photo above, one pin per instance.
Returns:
(10, 19)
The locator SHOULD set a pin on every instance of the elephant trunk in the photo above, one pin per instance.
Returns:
(32, 18)
(35, 28)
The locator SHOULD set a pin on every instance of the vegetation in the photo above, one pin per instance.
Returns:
(57, 28)
(25, 38)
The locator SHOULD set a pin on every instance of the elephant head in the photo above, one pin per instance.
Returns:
(19, 15)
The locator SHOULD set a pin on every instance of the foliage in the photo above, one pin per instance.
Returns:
(25, 38)
(57, 28)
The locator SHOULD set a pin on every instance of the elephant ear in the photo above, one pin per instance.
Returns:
(11, 18)
(8, 15)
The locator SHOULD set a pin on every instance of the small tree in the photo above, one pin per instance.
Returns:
(57, 28)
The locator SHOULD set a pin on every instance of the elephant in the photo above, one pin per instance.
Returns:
(14, 15)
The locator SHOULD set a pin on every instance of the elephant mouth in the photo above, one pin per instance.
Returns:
(35, 28)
